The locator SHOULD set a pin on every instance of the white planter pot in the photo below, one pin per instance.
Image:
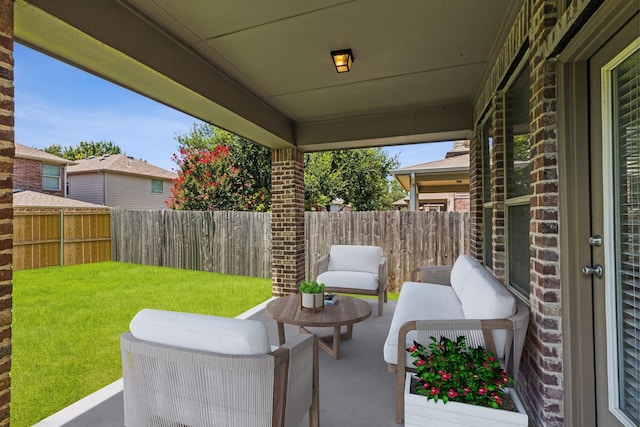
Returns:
(418, 412)
(313, 301)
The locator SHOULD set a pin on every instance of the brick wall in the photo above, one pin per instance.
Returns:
(475, 194)
(7, 151)
(27, 175)
(497, 183)
(287, 220)
(543, 351)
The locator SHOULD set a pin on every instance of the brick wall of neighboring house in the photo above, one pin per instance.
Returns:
(287, 220)
(7, 153)
(461, 204)
(27, 175)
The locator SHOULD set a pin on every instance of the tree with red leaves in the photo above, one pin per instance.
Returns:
(209, 176)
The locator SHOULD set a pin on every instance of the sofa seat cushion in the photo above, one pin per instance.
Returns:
(201, 332)
(349, 279)
(355, 258)
(420, 301)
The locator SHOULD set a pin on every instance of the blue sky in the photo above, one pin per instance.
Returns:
(59, 104)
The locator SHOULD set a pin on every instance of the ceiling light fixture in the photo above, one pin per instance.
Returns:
(342, 59)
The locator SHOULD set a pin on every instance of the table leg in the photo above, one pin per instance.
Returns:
(336, 342)
(280, 333)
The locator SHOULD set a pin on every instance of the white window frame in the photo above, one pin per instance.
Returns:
(58, 177)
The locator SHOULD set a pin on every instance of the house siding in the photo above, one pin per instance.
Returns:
(134, 192)
(88, 187)
(27, 175)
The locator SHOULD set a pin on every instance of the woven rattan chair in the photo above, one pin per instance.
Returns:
(169, 385)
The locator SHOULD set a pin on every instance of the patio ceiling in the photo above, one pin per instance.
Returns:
(262, 68)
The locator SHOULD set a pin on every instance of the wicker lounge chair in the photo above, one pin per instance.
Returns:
(211, 371)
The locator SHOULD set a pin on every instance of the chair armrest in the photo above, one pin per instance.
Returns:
(382, 274)
(321, 266)
(437, 275)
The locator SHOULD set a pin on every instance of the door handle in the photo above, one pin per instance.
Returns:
(596, 270)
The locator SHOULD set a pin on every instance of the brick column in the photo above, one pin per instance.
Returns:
(7, 151)
(543, 349)
(497, 184)
(287, 220)
(475, 195)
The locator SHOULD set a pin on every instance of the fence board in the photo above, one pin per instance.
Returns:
(38, 242)
(240, 242)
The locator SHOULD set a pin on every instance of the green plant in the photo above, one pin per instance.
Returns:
(451, 370)
(311, 287)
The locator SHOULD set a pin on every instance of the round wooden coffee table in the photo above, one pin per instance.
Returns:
(345, 312)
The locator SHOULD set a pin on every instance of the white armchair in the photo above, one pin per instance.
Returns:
(354, 269)
(183, 369)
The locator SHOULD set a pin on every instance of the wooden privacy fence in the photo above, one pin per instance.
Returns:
(240, 242)
(220, 241)
(49, 237)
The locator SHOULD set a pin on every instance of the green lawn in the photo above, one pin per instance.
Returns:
(67, 322)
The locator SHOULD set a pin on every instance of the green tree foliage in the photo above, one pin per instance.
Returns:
(218, 170)
(359, 177)
(84, 149)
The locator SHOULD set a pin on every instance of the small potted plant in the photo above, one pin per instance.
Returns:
(469, 380)
(312, 295)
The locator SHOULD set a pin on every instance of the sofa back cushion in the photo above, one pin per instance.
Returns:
(201, 332)
(355, 258)
(460, 272)
(484, 297)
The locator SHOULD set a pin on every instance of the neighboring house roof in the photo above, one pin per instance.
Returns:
(120, 163)
(24, 152)
(449, 164)
(32, 199)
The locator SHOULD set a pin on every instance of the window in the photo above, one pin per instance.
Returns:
(50, 177)
(517, 170)
(487, 193)
(157, 186)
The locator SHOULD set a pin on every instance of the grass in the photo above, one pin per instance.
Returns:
(67, 322)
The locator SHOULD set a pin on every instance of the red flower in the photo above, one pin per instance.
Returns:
(482, 390)
(413, 348)
(452, 393)
(420, 362)
(434, 391)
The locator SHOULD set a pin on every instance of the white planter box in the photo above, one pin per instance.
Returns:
(419, 412)
(313, 301)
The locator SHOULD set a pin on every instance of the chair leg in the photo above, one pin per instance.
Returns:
(380, 305)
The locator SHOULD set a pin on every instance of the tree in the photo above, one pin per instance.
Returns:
(359, 177)
(84, 150)
(220, 171)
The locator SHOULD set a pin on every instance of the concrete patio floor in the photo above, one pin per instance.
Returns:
(355, 390)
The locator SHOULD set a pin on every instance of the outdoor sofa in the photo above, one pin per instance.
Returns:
(354, 269)
(197, 370)
(465, 299)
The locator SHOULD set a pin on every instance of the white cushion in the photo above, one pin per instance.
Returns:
(201, 332)
(460, 272)
(420, 301)
(355, 258)
(349, 279)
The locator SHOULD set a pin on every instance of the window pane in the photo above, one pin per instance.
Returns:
(488, 232)
(517, 151)
(156, 186)
(519, 254)
(50, 170)
(49, 183)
